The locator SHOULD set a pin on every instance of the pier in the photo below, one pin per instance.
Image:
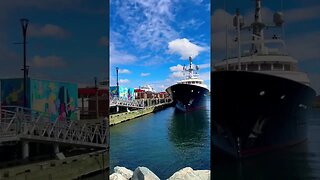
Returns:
(138, 107)
(18, 123)
(32, 130)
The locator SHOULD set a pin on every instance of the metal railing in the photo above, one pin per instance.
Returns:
(115, 101)
(138, 103)
(19, 123)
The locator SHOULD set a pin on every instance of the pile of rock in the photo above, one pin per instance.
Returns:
(143, 173)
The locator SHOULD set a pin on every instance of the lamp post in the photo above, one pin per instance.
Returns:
(117, 70)
(24, 25)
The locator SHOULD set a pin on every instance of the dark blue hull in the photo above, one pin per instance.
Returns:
(254, 112)
(188, 97)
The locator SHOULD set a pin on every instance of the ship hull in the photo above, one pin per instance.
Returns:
(255, 112)
(187, 97)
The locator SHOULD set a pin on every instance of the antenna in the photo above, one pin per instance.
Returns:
(190, 67)
(225, 9)
(282, 28)
(238, 23)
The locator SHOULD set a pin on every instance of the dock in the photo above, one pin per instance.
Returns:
(30, 134)
(68, 168)
(141, 107)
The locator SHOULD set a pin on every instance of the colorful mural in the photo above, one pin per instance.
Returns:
(130, 93)
(12, 92)
(57, 98)
(124, 92)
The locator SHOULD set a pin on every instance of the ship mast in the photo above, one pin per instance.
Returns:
(257, 31)
(190, 68)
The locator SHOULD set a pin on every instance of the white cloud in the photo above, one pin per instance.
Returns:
(205, 76)
(220, 19)
(204, 66)
(192, 23)
(147, 22)
(47, 30)
(124, 81)
(302, 14)
(48, 61)
(304, 46)
(144, 74)
(184, 48)
(120, 57)
(124, 71)
(177, 74)
(176, 68)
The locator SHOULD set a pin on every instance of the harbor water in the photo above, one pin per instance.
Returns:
(301, 161)
(164, 142)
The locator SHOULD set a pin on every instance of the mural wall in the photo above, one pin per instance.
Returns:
(57, 98)
(12, 92)
(124, 92)
(130, 93)
(60, 99)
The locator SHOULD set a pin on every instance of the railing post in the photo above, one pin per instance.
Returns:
(56, 148)
(25, 149)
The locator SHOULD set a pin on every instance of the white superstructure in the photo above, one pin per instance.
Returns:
(192, 77)
(264, 55)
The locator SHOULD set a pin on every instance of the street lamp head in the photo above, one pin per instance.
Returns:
(24, 23)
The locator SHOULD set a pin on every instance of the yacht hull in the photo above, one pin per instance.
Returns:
(188, 97)
(255, 112)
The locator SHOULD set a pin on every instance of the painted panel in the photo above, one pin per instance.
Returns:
(60, 99)
(124, 92)
(113, 91)
(130, 93)
(12, 92)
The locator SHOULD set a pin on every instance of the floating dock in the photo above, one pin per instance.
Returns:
(64, 169)
(141, 107)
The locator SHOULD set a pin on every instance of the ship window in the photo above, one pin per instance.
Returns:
(287, 67)
(265, 67)
(277, 66)
(253, 67)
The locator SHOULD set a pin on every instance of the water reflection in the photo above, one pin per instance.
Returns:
(189, 129)
(301, 161)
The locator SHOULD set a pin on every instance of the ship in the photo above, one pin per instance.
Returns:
(147, 88)
(189, 93)
(260, 98)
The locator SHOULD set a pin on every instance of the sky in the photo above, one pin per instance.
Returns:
(150, 41)
(301, 30)
(67, 40)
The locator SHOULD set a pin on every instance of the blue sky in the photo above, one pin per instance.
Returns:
(301, 27)
(66, 39)
(150, 39)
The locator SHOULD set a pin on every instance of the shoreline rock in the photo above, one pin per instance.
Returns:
(143, 173)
